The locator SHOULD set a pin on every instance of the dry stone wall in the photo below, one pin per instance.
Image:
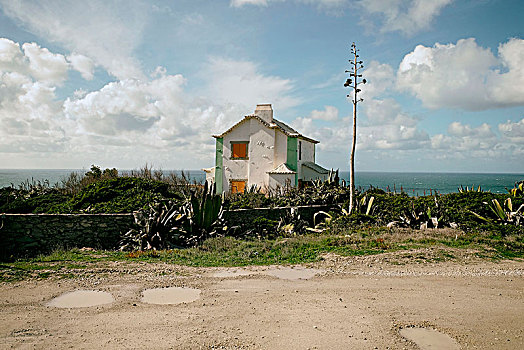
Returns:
(32, 234)
(25, 235)
(242, 216)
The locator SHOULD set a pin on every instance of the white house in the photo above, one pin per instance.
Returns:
(262, 151)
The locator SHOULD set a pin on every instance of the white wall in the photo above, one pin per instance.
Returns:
(280, 151)
(308, 155)
(260, 154)
(309, 175)
(261, 146)
(235, 169)
(280, 180)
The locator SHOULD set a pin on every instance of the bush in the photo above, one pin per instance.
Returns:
(119, 195)
(24, 202)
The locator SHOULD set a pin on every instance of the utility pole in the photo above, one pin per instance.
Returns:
(353, 82)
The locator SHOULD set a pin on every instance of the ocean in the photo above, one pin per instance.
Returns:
(412, 183)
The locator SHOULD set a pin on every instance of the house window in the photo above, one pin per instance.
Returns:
(299, 150)
(238, 186)
(239, 150)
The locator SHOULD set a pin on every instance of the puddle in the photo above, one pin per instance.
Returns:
(297, 273)
(428, 339)
(233, 273)
(171, 295)
(81, 298)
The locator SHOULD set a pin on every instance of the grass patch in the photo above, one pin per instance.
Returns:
(228, 251)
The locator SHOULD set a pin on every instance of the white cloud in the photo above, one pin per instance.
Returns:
(44, 65)
(242, 83)
(513, 132)
(380, 80)
(386, 111)
(464, 140)
(381, 125)
(31, 119)
(405, 16)
(386, 126)
(82, 64)
(118, 107)
(460, 130)
(34, 61)
(128, 122)
(333, 137)
(321, 4)
(41, 64)
(465, 75)
(392, 137)
(387, 133)
(240, 3)
(105, 31)
(329, 113)
(508, 84)
(11, 57)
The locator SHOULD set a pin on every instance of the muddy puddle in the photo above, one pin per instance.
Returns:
(296, 273)
(428, 339)
(171, 295)
(81, 298)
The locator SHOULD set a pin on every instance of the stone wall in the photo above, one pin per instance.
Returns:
(241, 216)
(31, 234)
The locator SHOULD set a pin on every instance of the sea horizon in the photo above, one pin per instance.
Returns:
(340, 170)
(414, 183)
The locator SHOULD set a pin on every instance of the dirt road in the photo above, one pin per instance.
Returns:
(346, 303)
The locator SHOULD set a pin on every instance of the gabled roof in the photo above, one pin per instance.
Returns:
(282, 169)
(315, 167)
(276, 124)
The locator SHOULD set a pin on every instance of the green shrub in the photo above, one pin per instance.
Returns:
(119, 195)
(24, 202)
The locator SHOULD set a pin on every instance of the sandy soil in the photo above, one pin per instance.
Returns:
(351, 303)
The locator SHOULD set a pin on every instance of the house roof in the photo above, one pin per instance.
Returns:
(282, 169)
(275, 124)
(315, 167)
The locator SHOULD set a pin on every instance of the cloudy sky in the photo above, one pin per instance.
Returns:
(122, 83)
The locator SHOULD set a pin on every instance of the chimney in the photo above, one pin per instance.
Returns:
(265, 112)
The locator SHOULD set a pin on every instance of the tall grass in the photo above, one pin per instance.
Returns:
(76, 182)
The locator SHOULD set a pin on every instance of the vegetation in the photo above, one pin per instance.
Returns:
(95, 192)
(180, 222)
(343, 239)
(168, 224)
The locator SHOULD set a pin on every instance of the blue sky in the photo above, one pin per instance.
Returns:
(122, 83)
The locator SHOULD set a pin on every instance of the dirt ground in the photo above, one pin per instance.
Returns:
(351, 303)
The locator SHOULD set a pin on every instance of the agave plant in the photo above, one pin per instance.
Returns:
(292, 224)
(333, 178)
(363, 206)
(518, 190)
(461, 189)
(435, 217)
(167, 225)
(504, 214)
(321, 221)
(413, 218)
(154, 227)
(204, 214)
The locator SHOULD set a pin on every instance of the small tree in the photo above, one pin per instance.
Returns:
(353, 82)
